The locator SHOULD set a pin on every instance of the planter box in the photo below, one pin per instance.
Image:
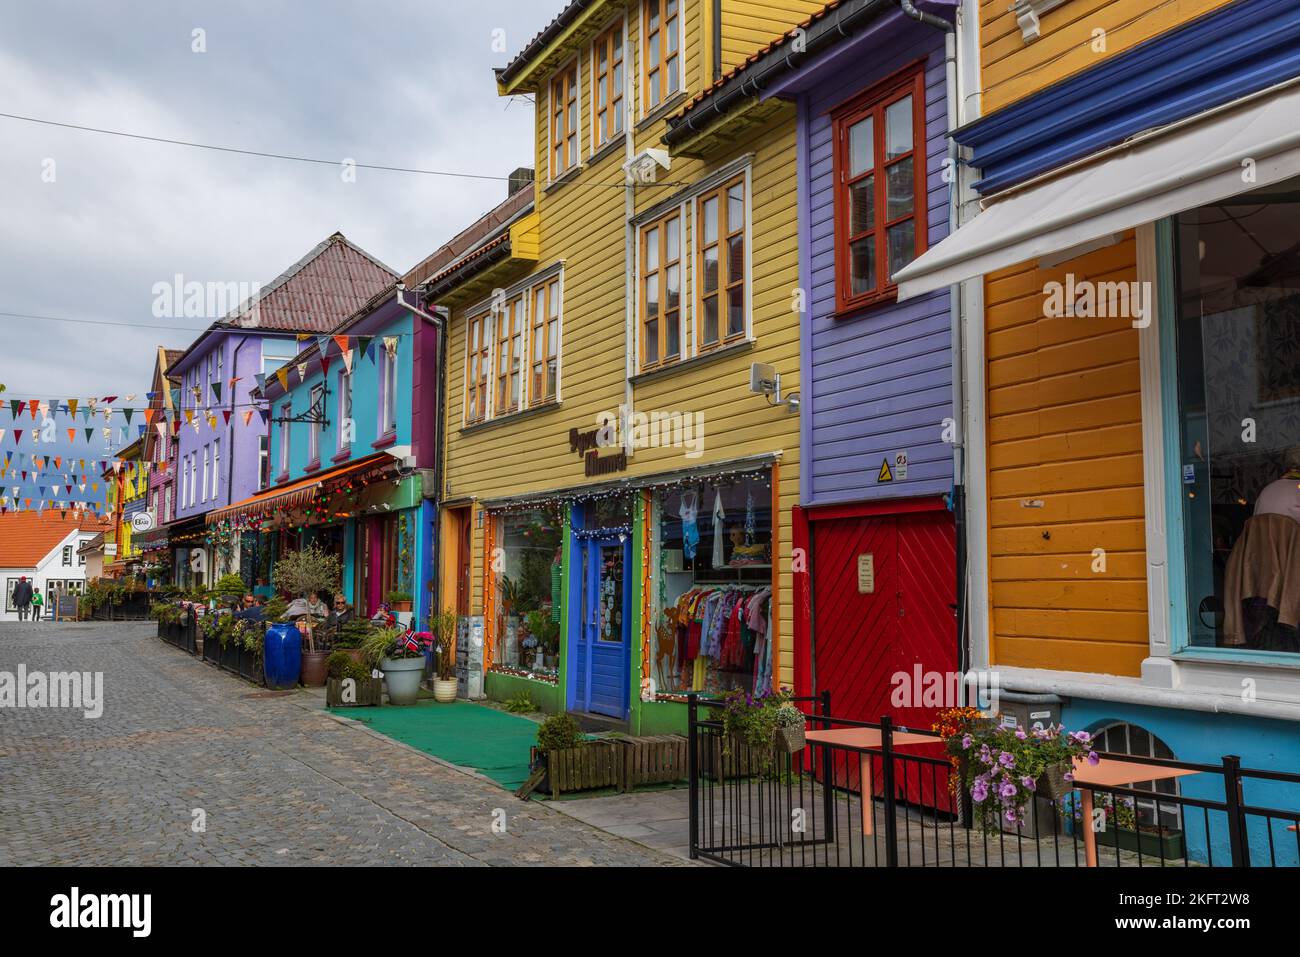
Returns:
(718, 765)
(590, 767)
(655, 759)
(1168, 843)
(370, 693)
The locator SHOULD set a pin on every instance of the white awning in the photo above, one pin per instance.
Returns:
(1195, 162)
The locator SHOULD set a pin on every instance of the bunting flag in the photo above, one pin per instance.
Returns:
(390, 345)
(45, 409)
(72, 435)
(283, 376)
(18, 434)
(302, 372)
(367, 346)
(212, 421)
(127, 412)
(108, 435)
(261, 381)
(248, 415)
(148, 415)
(303, 336)
(89, 433)
(189, 416)
(58, 461)
(131, 397)
(162, 430)
(72, 407)
(324, 364)
(347, 359)
(32, 406)
(216, 390)
(226, 414)
(322, 343)
(14, 406)
(2, 435)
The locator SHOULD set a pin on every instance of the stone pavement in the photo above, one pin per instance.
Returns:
(275, 780)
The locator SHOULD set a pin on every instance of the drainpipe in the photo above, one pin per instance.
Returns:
(957, 501)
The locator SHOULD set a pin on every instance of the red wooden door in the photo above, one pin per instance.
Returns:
(884, 587)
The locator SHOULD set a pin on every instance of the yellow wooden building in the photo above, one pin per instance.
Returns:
(609, 471)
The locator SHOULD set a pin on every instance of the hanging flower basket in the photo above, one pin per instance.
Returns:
(1055, 782)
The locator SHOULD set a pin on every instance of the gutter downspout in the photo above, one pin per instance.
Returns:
(957, 499)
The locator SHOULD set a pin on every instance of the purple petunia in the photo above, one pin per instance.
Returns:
(979, 792)
(1093, 759)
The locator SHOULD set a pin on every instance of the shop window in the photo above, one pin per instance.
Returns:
(477, 369)
(1143, 813)
(880, 188)
(526, 632)
(661, 291)
(661, 56)
(509, 353)
(545, 381)
(607, 85)
(712, 586)
(1238, 384)
(722, 266)
(564, 120)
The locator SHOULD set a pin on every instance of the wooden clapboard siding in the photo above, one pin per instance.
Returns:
(881, 377)
(1012, 69)
(1064, 429)
(583, 223)
(748, 25)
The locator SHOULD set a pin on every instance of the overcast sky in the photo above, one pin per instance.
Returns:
(392, 82)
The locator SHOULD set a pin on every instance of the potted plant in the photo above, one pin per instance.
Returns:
(790, 729)
(391, 651)
(1004, 768)
(443, 626)
(400, 600)
(545, 634)
(229, 591)
(350, 683)
(562, 759)
(305, 573)
(352, 636)
(749, 725)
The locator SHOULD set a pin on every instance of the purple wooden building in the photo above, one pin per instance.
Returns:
(871, 90)
(221, 454)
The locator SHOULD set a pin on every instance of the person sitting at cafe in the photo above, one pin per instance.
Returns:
(342, 610)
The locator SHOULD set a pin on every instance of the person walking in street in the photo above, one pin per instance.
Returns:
(38, 603)
(23, 597)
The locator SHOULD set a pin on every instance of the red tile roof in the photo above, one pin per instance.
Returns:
(27, 537)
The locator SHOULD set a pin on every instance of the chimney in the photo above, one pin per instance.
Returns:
(520, 178)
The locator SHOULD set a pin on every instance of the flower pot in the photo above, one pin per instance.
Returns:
(313, 668)
(282, 658)
(790, 739)
(444, 690)
(401, 606)
(1052, 783)
(403, 676)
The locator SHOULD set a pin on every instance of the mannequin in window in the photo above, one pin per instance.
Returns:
(1282, 497)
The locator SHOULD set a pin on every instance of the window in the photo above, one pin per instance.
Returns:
(221, 363)
(286, 411)
(721, 265)
(314, 429)
(546, 343)
(344, 429)
(529, 544)
(564, 120)
(387, 391)
(216, 468)
(67, 554)
(263, 461)
(203, 489)
(276, 352)
(1236, 359)
(879, 187)
(477, 369)
(194, 476)
(1125, 811)
(607, 85)
(509, 350)
(167, 504)
(661, 291)
(661, 60)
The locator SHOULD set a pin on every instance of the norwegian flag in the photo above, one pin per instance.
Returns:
(408, 641)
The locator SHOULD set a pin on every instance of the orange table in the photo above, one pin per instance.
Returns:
(1112, 772)
(866, 741)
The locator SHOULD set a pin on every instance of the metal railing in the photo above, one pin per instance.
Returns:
(764, 808)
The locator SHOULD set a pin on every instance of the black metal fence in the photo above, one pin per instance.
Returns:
(765, 808)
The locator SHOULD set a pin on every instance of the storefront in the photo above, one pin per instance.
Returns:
(614, 600)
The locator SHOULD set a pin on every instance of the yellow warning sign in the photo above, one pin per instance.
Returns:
(885, 474)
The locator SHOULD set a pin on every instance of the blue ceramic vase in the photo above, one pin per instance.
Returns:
(282, 657)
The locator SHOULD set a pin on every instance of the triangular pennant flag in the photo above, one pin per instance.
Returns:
(322, 343)
(302, 372)
(248, 414)
(89, 433)
(45, 409)
(72, 407)
(72, 435)
(226, 415)
(32, 406)
(343, 343)
(148, 415)
(189, 416)
(283, 376)
(261, 381)
(18, 434)
(14, 406)
(128, 413)
(110, 399)
(324, 365)
(367, 346)
(390, 345)
(216, 390)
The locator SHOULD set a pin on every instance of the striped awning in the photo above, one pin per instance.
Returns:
(295, 495)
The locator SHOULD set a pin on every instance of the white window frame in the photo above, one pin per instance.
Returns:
(286, 410)
(216, 468)
(203, 487)
(314, 430)
(67, 556)
(387, 424)
(628, 61)
(344, 411)
(575, 64)
(686, 202)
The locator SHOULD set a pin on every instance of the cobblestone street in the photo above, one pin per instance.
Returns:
(278, 781)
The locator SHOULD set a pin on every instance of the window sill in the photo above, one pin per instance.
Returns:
(713, 355)
(564, 179)
(282, 478)
(663, 109)
(484, 425)
(384, 441)
(852, 310)
(342, 455)
(605, 150)
(313, 466)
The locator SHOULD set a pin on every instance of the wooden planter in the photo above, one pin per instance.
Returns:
(655, 759)
(370, 693)
(588, 767)
(717, 765)
(1154, 844)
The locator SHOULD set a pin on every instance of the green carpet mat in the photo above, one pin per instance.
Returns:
(493, 742)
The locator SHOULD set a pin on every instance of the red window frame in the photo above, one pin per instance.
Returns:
(873, 102)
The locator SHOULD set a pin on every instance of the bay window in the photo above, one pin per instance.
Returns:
(880, 187)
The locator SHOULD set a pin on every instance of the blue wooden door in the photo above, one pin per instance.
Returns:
(605, 648)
